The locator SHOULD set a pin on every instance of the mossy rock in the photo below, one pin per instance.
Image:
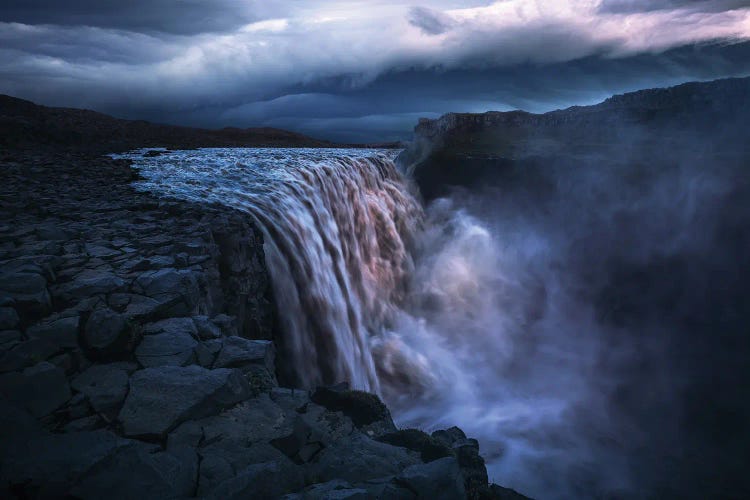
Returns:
(427, 446)
(362, 407)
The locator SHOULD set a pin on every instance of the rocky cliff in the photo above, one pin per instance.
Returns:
(137, 353)
(464, 149)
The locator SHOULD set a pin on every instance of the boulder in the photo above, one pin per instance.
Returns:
(161, 398)
(172, 325)
(141, 307)
(427, 446)
(237, 352)
(172, 348)
(61, 332)
(330, 490)
(89, 282)
(40, 389)
(27, 291)
(105, 386)
(7, 336)
(496, 492)
(206, 328)
(449, 436)
(168, 285)
(109, 335)
(90, 423)
(301, 444)
(366, 410)
(8, 318)
(358, 458)
(26, 354)
(100, 251)
(466, 451)
(252, 421)
(437, 480)
(44, 465)
(150, 474)
(264, 480)
(16, 422)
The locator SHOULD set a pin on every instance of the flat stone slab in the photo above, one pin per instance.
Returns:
(171, 348)
(40, 389)
(104, 385)
(239, 352)
(162, 398)
(62, 332)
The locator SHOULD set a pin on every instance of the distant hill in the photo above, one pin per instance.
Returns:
(699, 118)
(26, 125)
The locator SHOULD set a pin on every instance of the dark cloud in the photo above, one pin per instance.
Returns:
(354, 71)
(630, 6)
(169, 16)
(430, 21)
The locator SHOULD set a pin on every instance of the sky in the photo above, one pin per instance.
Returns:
(357, 71)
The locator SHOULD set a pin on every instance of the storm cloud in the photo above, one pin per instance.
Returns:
(357, 70)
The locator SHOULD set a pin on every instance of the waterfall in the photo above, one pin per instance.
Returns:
(337, 238)
(338, 229)
(549, 317)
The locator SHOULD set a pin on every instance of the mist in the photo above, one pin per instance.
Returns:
(583, 318)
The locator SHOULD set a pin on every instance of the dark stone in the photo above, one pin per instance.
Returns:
(240, 352)
(40, 389)
(8, 336)
(172, 325)
(150, 473)
(105, 386)
(495, 492)
(449, 436)
(8, 318)
(26, 354)
(27, 292)
(61, 332)
(109, 335)
(428, 447)
(206, 328)
(362, 407)
(437, 480)
(162, 398)
(357, 458)
(171, 348)
(45, 465)
(90, 423)
(265, 480)
(88, 283)
(301, 444)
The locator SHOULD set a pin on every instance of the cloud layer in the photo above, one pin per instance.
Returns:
(344, 65)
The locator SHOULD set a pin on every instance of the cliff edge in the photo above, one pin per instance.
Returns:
(698, 118)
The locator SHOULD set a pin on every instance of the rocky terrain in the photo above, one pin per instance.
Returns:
(137, 358)
(693, 119)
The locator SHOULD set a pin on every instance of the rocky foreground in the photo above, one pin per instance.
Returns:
(137, 359)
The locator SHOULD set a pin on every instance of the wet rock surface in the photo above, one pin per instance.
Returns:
(136, 341)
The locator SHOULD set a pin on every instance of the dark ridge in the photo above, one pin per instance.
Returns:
(699, 118)
(25, 125)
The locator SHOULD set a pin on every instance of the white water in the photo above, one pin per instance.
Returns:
(432, 309)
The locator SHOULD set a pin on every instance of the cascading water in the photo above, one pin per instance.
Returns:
(337, 229)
